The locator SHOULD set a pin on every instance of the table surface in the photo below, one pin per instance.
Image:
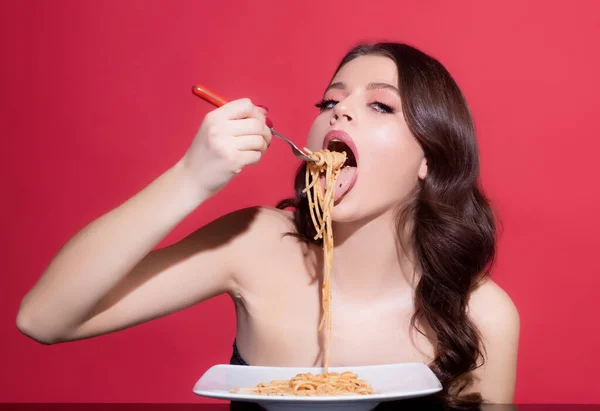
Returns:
(405, 405)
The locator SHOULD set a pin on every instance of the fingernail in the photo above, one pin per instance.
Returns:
(269, 122)
(263, 107)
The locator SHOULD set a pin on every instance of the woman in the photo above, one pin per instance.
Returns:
(414, 240)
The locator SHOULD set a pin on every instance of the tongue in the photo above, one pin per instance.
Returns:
(343, 182)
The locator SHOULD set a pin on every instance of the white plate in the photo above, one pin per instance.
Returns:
(389, 382)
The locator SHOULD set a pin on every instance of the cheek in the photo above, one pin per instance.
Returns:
(394, 156)
(316, 133)
(394, 143)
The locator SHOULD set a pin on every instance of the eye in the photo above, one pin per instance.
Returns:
(382, 108)
(326, 104)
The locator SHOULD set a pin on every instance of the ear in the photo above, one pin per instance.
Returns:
(423, 169)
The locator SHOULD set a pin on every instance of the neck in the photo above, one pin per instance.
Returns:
(368, 261)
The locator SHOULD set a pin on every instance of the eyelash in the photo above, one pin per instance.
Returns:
(324, 105)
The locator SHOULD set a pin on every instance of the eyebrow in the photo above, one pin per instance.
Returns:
(372, 86)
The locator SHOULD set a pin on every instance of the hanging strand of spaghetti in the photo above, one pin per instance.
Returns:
(330, 164)
(320, 204)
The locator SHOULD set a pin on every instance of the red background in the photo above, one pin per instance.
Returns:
(96, 103)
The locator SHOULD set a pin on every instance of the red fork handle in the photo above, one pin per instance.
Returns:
(217, 100)
(208, 95)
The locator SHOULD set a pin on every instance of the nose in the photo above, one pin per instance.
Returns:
(341, 110)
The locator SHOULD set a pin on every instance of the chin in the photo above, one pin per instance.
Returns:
(351, 209)
(346, 210)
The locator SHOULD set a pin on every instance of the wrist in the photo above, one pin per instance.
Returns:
(189, 191)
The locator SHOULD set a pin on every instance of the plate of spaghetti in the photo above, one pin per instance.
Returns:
(359, 388)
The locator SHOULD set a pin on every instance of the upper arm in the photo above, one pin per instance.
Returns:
(498, 321)
(198, 267)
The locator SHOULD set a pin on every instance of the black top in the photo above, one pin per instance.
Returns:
(236, 358)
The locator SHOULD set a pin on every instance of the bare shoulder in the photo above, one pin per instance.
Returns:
(252, 224)
(248, 224)
(253, 233)
(493, 310)
(497, 318)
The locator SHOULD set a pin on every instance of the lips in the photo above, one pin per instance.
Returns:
(337, 140)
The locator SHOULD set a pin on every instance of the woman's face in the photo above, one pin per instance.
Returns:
(364, 103)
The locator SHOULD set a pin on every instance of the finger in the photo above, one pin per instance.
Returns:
(259, 127)
(265, 111)
(238, 109)
(248, 126)
(268, 136)
(250, 157)
(251, 143)
(264, 108)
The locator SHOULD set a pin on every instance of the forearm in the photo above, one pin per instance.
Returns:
(92, 262)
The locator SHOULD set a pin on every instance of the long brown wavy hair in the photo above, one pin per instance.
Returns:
(452, 228)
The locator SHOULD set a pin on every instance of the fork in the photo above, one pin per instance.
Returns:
(218, 101)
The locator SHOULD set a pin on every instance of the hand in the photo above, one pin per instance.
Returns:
(230, 138)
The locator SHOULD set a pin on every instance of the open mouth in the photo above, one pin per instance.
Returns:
(339, 141)
(340, 147)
